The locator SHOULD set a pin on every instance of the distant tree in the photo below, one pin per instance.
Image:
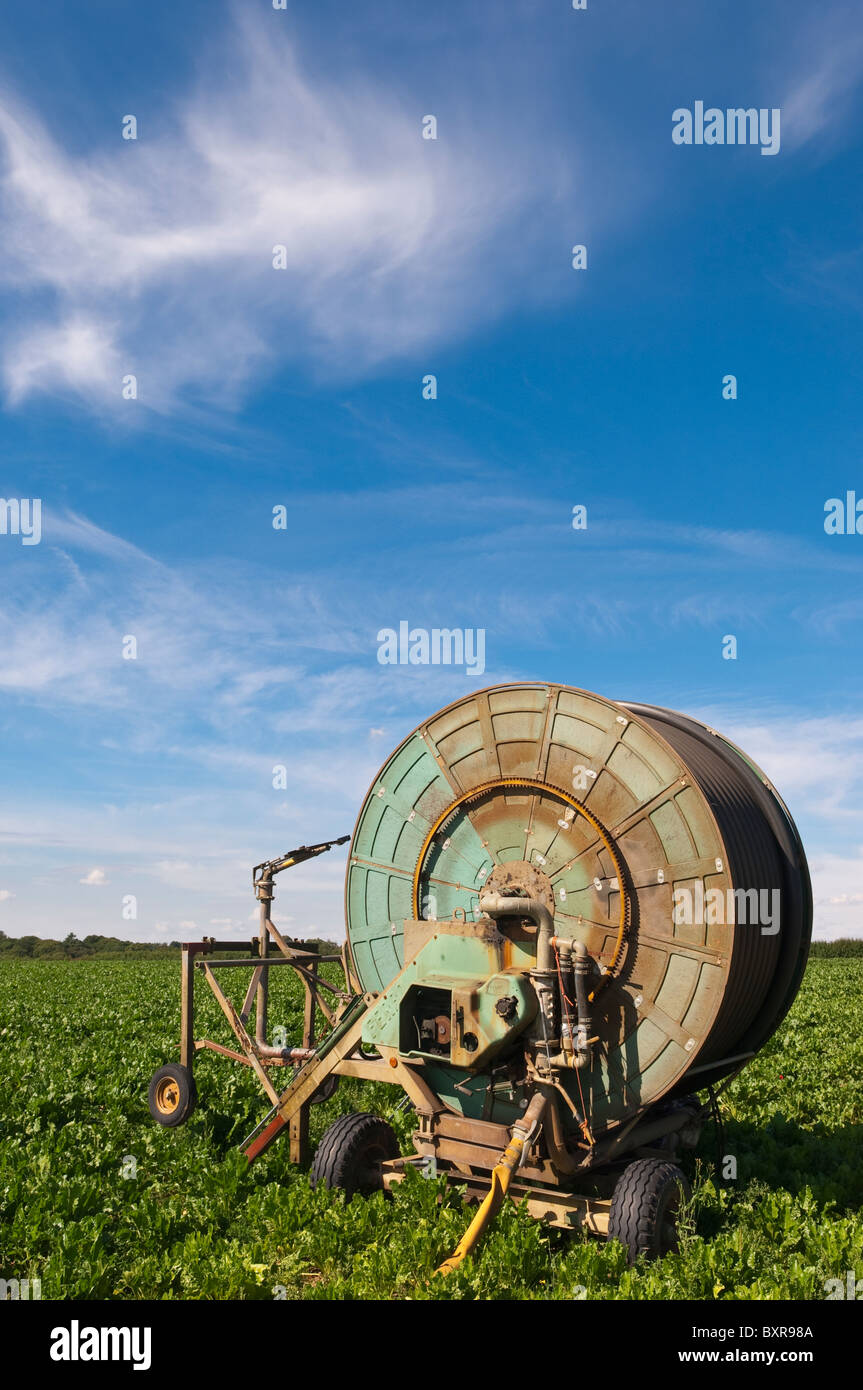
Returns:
(843, 946)
(92, 947)
(43, 950)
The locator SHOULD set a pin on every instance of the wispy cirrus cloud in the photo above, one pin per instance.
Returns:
(77, 532)
(825, 62)
(155, 257)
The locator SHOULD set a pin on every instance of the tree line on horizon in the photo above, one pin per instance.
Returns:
(103, 947)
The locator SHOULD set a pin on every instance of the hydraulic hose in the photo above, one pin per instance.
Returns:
(575, 1052)
(511, 1159)
(585, 1020)
(555, 1138)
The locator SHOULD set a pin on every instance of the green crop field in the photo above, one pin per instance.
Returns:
(96, 1201)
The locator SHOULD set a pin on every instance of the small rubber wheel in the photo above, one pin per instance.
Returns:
(645, 1207)
(172, 1096)
(351, 1153)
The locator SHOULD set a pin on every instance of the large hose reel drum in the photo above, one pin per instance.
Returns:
(650, 838)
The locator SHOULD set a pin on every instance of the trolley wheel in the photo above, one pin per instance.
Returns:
(172, 1096)
(351, 1153)
(645, 1206)
(329, 1088)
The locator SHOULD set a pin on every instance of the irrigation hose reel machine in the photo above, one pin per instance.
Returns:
(566, 917)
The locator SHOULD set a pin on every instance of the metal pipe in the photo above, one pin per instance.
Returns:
(555, 1137)
(544, 975)
(287, 1054)
(187, 1009)
(563, 946)
(494, 905)
(283, 960)
(722, 1062)
(644, 1132)
(262, 1046)
(264, 890)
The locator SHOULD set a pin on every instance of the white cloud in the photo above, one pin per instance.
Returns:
(5, 895)
(837, 889)
(157, 255)
(814, 762)
(816, 765)
(74, 353)
(95, 878)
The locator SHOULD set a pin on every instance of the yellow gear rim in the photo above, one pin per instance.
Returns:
(167, 1096)
(534, 784)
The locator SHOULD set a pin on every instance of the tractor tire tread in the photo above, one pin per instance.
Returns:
(342, 1144)
(636, 1201)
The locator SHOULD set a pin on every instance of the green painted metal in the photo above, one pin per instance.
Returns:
(461, 967)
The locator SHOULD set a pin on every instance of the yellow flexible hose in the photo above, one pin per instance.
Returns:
(501, 1176)
(489, 1208)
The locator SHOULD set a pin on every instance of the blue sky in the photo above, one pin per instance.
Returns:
(302, 387)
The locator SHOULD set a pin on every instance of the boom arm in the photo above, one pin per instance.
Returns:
(293, 856)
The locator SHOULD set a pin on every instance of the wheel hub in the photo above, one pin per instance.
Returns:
(517, 878)
(167, 1096)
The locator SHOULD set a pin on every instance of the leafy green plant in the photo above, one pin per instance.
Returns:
(79, 1042)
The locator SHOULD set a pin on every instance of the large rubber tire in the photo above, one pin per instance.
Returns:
(351, 1153)
(172, 1096)
(645, 1206)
